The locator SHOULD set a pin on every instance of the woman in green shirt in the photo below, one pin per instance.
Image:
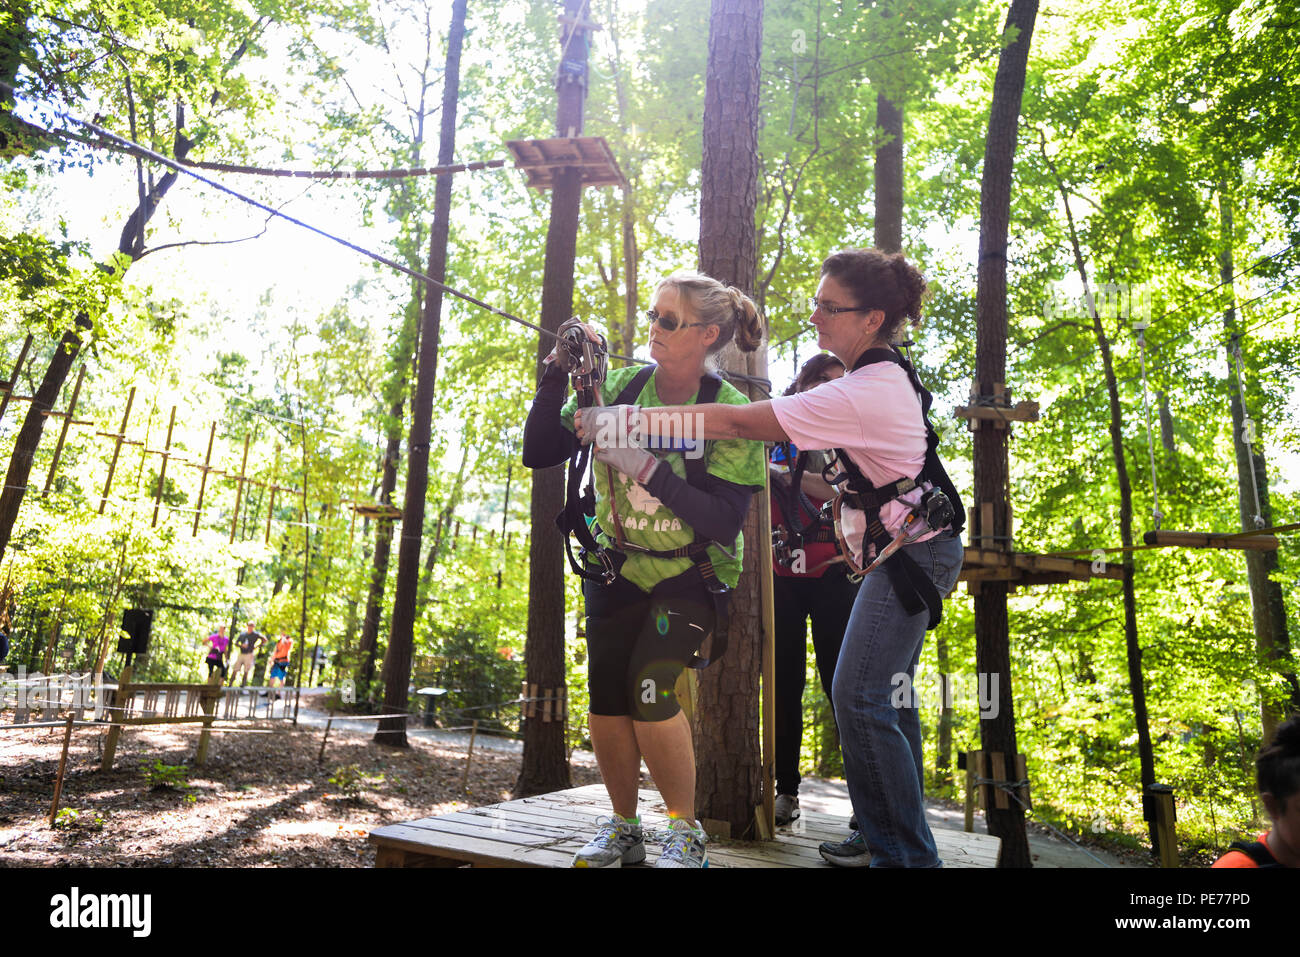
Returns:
(645, 626)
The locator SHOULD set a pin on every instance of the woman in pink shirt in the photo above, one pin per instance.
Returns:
(875, 416)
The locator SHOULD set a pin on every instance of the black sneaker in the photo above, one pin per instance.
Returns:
(850, 853)
(787, 808)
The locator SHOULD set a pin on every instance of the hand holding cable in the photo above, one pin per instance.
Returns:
(610, 426)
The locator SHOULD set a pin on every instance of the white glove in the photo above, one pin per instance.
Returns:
(610, 426)
(631, 461)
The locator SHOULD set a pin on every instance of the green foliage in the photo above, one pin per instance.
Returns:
(170, 777)
(70, 819)
(354, 782)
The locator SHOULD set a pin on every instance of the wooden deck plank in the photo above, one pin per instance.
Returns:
(545, 830)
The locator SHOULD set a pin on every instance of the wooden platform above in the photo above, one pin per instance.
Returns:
(546, 831)
(1025, 568)
(541, 158)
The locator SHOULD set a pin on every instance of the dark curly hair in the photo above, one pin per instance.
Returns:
(879, 280)
(811, 370)
(1277, 769)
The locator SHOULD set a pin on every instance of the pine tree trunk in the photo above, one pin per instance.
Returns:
(888, 232)
(728, 762)
(992, 641)
(546, 760)
(401, 637)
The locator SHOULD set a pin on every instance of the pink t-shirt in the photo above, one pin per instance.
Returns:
(874, 414)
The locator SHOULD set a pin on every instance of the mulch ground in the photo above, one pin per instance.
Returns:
(261, 800)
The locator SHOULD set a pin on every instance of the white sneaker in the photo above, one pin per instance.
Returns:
(685, 846)
(618, 842)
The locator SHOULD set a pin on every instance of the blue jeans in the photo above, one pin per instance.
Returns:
(882, 743)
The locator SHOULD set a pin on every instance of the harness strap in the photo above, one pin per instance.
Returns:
(1257, 852)
(913, 586)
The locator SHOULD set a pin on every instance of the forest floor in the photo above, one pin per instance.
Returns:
(261, 800)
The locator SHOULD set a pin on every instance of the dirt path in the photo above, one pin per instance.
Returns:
(261, 801)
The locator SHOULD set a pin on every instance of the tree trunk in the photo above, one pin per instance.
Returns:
(943, 756)
(65, 355)
(889, 177)
(729, 765)
(1268, 611)
(369, 645)
(1137, 684)
(546, 761)
(401, 637)
(992, 642)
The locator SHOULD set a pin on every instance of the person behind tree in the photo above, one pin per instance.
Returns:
(875, 415)
(249, 641)
(216, 659)
(810, 582)
(647, 624)
(1277, 775)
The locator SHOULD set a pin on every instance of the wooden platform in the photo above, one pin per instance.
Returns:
(1024, 568)
(546, 830)
(539, 159)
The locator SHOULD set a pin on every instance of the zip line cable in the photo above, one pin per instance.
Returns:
(154, 157)
(1187, 302)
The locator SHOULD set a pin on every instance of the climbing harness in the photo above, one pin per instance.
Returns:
(583, 362)
(791, 535)
(940, 505)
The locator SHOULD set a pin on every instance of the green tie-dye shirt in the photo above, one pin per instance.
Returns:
(646, 520)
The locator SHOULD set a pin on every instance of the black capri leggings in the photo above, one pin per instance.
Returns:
(638, 644)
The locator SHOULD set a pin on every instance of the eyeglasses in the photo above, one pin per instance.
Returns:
(669, 323)
(832, 310)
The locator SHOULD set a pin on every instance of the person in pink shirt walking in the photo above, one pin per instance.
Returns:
(217, 654)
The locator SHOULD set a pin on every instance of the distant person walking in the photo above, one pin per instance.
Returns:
(248, 643)
(280, 662)
(217, 655)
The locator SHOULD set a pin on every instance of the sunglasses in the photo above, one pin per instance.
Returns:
(669, 323)
(832, 310)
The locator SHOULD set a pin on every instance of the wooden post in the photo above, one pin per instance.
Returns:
(328, 724)
(8, 387)
(203, 482)
(208, 701)
(115, 719)
(469, 756)
(239, 490)
(63, 763)
(971, 761)
(767, 826)
(162, 471)
(69, 419)
(1158, 806)
(119, 440)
